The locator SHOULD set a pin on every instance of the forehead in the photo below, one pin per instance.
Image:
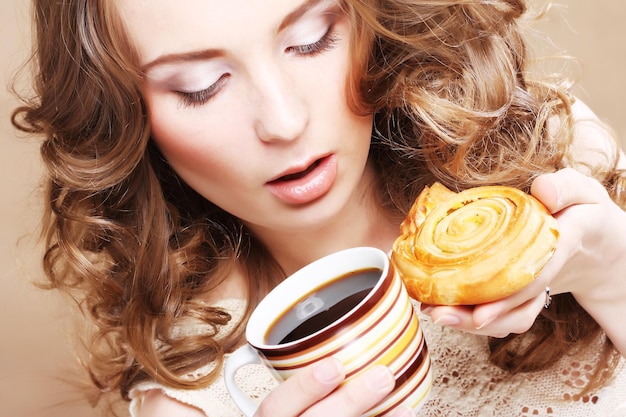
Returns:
(159, 27)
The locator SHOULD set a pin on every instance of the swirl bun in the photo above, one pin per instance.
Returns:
(473, 247)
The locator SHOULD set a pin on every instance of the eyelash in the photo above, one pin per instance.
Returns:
(198, 98)
(327, 42)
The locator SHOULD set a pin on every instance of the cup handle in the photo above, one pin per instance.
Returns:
(245, 355)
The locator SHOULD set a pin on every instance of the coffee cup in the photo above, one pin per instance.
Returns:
(350, 305)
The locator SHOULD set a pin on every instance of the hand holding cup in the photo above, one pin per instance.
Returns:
(350, 305)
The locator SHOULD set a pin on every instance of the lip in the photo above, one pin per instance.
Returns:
(307, 183)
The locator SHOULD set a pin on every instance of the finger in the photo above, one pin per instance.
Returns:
(483, 314)
(565, 188)
(517, 320)
(356, 396)
(490, 320)
(452, 316)
(298, 393)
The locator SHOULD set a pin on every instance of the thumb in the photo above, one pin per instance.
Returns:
(565, 188)
(546, 190)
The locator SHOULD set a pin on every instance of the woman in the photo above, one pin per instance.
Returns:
(200, 152)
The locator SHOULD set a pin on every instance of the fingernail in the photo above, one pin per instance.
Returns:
(557, 192)
(402, 411)
(487, 322)
(380, 379)
(447, 320)
(328, 371)
(427, 310)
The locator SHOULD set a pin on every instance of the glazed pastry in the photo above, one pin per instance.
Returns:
(473, 247)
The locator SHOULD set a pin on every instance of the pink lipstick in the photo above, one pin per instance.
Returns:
(305, 185)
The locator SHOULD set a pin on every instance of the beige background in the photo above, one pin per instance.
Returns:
(34, 355)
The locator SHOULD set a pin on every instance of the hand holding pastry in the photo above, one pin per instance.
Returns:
(589, 262)
(477, 246)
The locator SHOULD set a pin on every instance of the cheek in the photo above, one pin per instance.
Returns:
(207, 153)
(188, 148)
(174, 138)
(180, 133)
(182, 150)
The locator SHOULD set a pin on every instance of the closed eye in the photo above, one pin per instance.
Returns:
(325, 43)
(198, 98)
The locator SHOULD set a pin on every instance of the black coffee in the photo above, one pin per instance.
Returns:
(324, 306)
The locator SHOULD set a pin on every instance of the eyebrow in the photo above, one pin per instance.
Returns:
(181, 57)
(211, 53)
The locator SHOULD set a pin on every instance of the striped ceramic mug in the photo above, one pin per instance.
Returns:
(350, 305)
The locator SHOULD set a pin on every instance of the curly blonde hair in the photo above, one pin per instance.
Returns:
(137, 247)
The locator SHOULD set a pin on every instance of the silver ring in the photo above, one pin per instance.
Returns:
(548, 301)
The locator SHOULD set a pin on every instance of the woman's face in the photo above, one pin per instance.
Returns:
(247, 102)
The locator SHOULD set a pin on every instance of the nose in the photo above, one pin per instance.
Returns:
(282, 114)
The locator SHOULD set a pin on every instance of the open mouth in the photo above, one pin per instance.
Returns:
(307, 185)
(298, 175)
